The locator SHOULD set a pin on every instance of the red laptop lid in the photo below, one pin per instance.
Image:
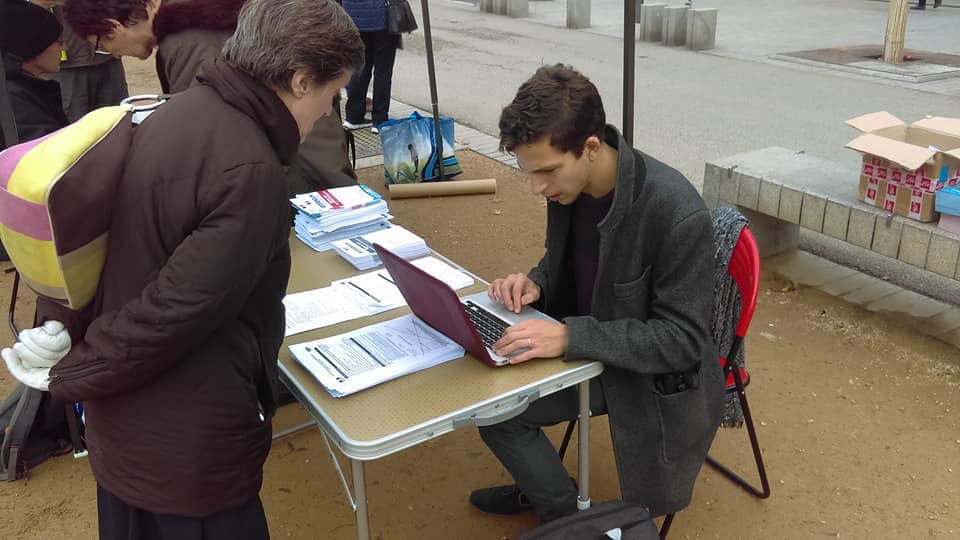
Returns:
(434, 302)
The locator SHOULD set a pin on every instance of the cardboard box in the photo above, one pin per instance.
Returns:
(905, 165)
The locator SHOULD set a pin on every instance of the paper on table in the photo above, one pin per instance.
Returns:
(314, 309)
(359, 296)
(378, 293)
(360, 359)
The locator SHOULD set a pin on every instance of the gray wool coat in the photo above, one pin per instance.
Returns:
(651, 312)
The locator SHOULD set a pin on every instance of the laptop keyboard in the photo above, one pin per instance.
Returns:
(489, 326)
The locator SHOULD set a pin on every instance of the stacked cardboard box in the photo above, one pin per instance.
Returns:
(904, 166)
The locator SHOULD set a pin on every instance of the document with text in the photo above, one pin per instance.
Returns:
(363, 358)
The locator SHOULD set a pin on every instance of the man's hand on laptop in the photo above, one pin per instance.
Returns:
(514, 291)
(540, 338)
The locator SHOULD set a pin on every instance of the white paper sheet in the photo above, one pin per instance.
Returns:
(366, 357)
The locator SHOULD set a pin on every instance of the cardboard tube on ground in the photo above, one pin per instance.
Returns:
(444, 188)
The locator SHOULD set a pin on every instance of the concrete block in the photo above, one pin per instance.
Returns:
(769, 203)
(943, 254)
(943, 322)
(836, 217)
(915, 306)
(500, 7)
(729, 187)
(812, 211)
(518, 8)
(804, 268)
(578, 13)
(914, 243)
(711, 187)
(886, 237)
(749, 195)
(860, 230)
(651, 22)
(870, 292)
(773, 235)
(701, 28)
(486, 6)
(791, 202)
(675, 26)
(847, 284)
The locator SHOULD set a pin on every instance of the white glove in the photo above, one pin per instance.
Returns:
(43, 346)
(38, 378)
(38, 350)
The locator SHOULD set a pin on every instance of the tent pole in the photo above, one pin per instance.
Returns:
(629, 59)
(432, 75)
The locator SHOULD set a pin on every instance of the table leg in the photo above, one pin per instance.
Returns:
(583, 446)
(360, 494)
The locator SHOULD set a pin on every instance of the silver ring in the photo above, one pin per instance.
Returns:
(529, 343)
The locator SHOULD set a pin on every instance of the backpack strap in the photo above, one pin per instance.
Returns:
(17, 430)
(7, 119)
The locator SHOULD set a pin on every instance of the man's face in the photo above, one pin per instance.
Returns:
(316, 102)
(554, 174)
(135, 39)
(49, 60)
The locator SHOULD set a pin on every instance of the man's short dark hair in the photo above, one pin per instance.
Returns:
(557, 102)
(91, 17)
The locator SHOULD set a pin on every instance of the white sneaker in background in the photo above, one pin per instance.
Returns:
(350, 125)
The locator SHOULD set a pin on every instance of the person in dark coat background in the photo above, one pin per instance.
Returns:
(185, 33)
(30, 45)
(178, 369)
(381, 46)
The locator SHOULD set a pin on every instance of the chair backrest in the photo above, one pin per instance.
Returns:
(744, 268)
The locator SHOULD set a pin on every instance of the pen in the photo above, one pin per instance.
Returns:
(357, 287)
(390, 281)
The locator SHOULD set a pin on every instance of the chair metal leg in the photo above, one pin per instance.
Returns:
(764, 492)
(665, 526)
(566, 438)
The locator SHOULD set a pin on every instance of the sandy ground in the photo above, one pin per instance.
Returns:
(857, 417)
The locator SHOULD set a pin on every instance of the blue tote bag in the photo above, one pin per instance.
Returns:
(409, 150)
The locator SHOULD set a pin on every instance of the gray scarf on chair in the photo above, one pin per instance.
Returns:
(727, 224)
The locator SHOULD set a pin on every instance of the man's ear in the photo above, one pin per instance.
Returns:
(591, 146)
(300, 83)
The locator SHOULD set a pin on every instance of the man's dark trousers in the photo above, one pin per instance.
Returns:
(528, 455)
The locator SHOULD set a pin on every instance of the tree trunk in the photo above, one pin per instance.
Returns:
(896, 28)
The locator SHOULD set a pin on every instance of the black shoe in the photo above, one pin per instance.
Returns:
(918, 8)
(504, 500)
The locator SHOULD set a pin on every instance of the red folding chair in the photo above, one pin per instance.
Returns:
(744, 268)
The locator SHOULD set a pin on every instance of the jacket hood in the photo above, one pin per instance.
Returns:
(256, 101)
(176, 16)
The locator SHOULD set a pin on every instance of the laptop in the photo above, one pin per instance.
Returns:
(475, 322)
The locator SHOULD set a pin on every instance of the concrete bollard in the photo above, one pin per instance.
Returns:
(518, 8)
(500, 7)
(651, 22)
(675, 26)
(578, 13)
(701, 28)
(486, 6)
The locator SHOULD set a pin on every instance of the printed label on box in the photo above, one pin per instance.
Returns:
(910, 179)
(868, 169)
(896, 175)
(916, 203)
(882, 173)
(871, 196)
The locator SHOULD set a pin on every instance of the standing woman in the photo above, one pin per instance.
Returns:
(370, 16)
(178, 370)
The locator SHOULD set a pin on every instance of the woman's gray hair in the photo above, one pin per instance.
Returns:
(274, 38)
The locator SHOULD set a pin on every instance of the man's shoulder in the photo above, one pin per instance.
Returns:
(666, 188)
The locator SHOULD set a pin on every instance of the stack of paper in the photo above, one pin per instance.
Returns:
(366, 357)
(359, 251)
(338, 213)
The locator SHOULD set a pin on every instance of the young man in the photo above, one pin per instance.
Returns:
(178, 370)
(185, 33)
(629, 270)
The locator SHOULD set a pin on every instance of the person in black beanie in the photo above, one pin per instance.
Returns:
(30, 46)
